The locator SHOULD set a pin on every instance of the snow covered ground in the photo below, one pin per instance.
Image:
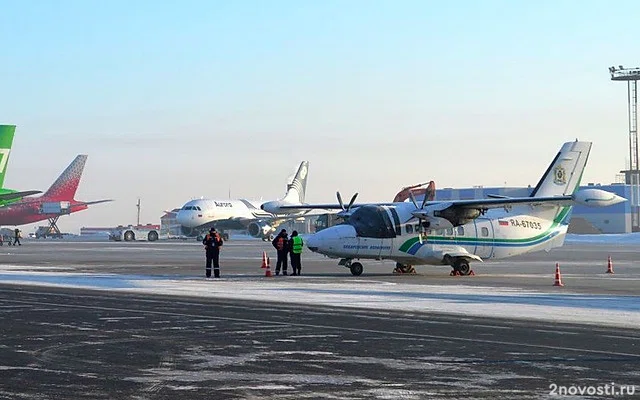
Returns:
(617, 238)
(612, 310)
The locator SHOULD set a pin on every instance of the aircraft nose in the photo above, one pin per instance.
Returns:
(183, 218)
(312, 243)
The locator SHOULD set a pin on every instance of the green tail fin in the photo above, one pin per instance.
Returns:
(6, 141)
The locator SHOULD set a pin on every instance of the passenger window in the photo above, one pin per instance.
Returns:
(460, 231)
(409, 228)
(449, 231)
(485, 231)
(439, 232)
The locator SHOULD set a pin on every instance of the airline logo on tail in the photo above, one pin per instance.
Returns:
(4, 153)
(6, 141)
(299, 183)
(560, 176)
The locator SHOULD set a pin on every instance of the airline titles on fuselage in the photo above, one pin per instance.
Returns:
(222, 204)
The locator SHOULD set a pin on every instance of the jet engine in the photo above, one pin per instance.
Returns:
(260, 230)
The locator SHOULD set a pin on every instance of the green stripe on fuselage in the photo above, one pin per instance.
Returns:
(470, 240)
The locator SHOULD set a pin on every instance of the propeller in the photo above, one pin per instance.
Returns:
(415, 203)
(346, 209)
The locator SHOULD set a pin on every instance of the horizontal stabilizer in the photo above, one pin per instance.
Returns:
(89, 203)
(18, 195)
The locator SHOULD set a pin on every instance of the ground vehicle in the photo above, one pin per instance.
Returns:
(135, 232)
(47, 231)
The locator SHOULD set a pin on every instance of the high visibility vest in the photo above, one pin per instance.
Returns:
(296, 248)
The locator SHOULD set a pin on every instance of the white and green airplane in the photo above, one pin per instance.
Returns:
(8, 196)
(458, 232)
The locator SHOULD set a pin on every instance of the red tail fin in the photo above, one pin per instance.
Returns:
(64, 188)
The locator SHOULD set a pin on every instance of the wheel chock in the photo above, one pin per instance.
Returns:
(471, 273)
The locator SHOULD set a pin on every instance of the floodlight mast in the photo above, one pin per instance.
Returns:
(632, 175)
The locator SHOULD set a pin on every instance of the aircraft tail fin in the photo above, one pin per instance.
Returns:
(298, 186)
(562, 177)
(6, 141)
(64, 188)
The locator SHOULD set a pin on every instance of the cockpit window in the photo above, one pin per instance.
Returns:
(372, 221)
(198, 208)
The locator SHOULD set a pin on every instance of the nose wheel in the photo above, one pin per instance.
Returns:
(355, 267)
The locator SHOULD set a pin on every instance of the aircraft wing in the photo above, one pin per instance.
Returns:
(473, 203)
(589, 197)
(329, 206)
(18, 195)
(501, 202)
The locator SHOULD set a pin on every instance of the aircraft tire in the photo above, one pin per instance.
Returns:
(356, 269)
(462, 266)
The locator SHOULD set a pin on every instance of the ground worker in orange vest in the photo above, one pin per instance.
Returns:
(212, 243)
(281, 243)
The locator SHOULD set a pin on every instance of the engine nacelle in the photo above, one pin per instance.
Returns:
(455, 216)
(272, 207)
(438, 223)
(260, 229)
(597, 198)
(458, 216)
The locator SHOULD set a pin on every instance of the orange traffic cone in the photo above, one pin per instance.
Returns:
(264, 260)
(267, 273)
(558, 281)
(609, 266)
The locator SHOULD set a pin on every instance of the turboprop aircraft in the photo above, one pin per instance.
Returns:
(458, 232)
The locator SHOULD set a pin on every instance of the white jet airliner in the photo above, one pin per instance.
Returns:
(197, 216)
(460, 231)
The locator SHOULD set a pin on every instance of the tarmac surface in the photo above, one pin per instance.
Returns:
(68, 342)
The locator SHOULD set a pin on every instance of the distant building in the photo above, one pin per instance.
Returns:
(612, 219)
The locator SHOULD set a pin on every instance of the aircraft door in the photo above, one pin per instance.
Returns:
(485, 238)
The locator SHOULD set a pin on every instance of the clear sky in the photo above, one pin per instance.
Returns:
(179, 99)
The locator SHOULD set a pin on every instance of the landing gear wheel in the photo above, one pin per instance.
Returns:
(152, 236)
(129, 236)
(356, 268)
(462, 266)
